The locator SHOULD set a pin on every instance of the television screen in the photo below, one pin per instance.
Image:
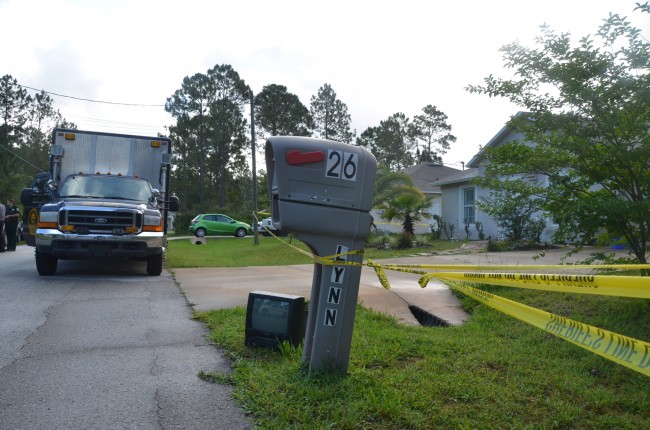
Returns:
(272, 318)
(270, 315)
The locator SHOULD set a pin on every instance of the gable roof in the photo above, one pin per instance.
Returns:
(425, 173)
(495, 141)
(458, 178)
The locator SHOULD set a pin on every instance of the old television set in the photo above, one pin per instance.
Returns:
(272, 318)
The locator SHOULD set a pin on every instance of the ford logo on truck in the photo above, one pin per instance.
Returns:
(101, 220)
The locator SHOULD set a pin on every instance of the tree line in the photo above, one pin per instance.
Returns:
(24, 135)
(212, 138)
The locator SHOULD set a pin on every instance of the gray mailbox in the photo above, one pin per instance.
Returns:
(322, 191)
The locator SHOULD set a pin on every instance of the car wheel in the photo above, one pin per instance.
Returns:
(200, 232)
(154, 264)
(46, 264)
(241, 232)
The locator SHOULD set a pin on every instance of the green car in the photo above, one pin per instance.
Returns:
(206, 224)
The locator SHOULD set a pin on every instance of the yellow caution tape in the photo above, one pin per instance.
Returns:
(398, 268)
(302, 251)
(624, 350)
(619, 286)
(519, 267)
(330, 260)
(334, 260)
(381, 275)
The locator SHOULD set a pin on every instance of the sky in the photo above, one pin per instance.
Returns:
(380, 56)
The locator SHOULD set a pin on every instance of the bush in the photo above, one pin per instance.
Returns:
(498, 246)
(377, 241)
(534, 229)
(404, 241)
(479, 230)
(436, 227)
(182, 222)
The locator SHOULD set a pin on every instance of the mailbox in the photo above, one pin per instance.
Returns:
(322, 191)
(319, 181)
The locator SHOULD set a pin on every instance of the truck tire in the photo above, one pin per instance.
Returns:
(241, 232)
(154, 264)
(46, 264)
(26, 196)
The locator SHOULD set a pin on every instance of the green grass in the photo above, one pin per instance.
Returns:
(494, 372)
(237, 252)
(233, 252)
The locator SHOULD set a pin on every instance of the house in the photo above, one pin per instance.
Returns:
(459, 194)
(424, 175)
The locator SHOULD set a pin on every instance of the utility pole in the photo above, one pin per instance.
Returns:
(256, 237)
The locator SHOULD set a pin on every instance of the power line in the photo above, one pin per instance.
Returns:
(91, 100)
(107, 121)
(21, 158)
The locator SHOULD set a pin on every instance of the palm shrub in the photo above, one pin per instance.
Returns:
(409, 205)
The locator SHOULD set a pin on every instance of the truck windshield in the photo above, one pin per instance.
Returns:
(106, 187)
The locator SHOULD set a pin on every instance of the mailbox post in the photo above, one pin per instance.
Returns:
(322, 191)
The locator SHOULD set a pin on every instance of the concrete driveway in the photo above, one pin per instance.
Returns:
(216, 288)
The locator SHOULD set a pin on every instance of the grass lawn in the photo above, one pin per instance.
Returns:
(237, 252)
(494, 372)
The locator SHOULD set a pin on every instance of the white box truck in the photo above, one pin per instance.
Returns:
(106, 196)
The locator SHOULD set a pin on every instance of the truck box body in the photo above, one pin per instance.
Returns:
(112, 154)
(109, 199)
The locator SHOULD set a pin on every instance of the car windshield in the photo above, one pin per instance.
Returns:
(106, 187)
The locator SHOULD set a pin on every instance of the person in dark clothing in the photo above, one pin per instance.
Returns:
(12, 216)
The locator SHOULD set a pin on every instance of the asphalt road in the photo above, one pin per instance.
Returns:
(104, 347)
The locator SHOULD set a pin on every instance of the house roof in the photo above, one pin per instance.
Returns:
(495, 141)
(460, 177)
(425, 173)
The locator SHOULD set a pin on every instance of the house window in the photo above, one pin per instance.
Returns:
(468, 205)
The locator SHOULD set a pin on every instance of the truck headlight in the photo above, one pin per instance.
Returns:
(49, 219)
(152, 223)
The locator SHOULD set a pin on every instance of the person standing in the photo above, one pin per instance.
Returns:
(2, 227)
(12, 216)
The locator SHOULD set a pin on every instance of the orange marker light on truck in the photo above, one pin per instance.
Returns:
(152, 228)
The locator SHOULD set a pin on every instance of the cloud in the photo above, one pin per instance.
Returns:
(380, 56)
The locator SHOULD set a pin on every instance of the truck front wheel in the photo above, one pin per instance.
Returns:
(46, 264)
(154, 264)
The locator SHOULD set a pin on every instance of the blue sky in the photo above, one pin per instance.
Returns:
(381, 57)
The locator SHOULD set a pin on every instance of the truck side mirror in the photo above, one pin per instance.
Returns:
(173, 204)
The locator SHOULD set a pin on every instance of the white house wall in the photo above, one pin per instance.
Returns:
(452, 212)
(490, 227)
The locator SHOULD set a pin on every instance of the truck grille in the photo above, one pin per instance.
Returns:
(100, 222)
